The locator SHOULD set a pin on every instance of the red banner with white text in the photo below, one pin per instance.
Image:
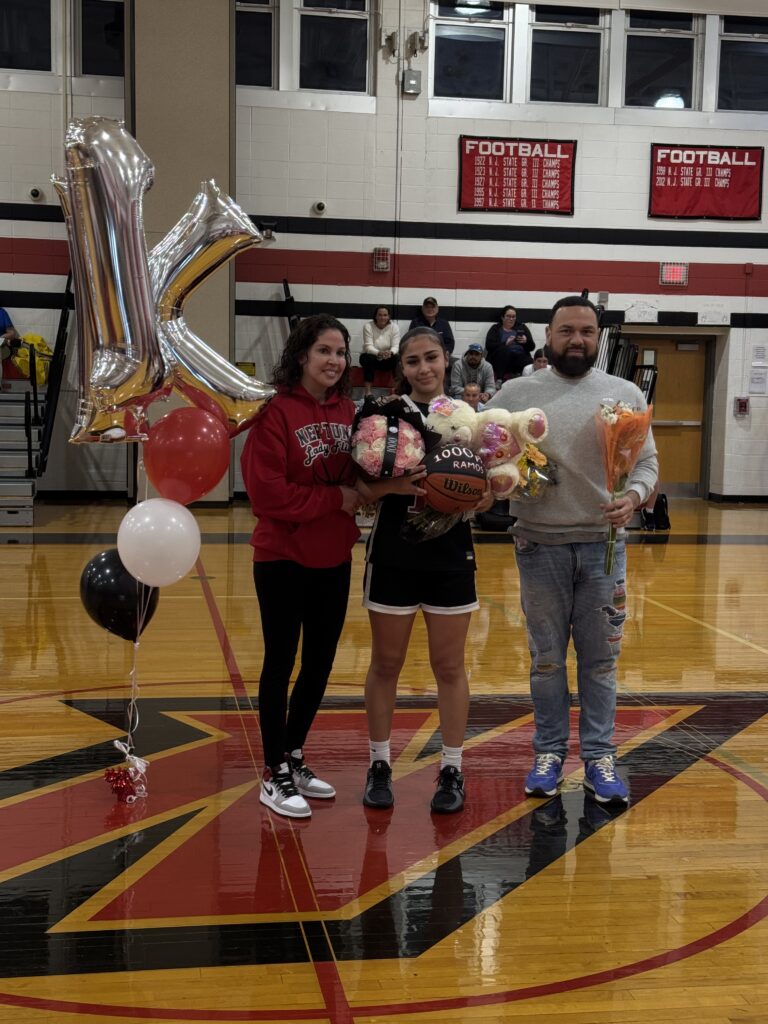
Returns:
(516, 175)
(706, 182)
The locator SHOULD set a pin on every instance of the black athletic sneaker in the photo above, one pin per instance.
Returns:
(378, 786)
(449, 795)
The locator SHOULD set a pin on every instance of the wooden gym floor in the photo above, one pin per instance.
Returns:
(197, 905)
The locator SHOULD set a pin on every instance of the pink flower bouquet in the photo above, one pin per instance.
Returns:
(370, 446)
(388, 438)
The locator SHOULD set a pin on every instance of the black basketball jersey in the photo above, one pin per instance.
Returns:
(450, 552)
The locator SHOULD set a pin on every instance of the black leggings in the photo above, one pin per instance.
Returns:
(370, 364)
(293, 599)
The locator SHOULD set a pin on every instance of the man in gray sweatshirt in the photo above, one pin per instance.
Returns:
(560, 544)
(472, 368)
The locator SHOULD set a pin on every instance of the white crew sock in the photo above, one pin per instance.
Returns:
(379, 751)
(451, 756)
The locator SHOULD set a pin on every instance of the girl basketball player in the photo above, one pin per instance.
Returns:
(437, 577)
(300, 480)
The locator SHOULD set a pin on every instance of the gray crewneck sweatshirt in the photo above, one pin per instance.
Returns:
(570, 512)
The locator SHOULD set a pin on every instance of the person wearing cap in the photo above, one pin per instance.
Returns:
(429, 317)
(472, 368)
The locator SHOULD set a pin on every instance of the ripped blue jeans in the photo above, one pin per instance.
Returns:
(566, 595)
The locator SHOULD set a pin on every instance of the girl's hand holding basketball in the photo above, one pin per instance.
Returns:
(486, 501)
(409, 482)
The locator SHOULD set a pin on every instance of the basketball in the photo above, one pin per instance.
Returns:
(455, 479)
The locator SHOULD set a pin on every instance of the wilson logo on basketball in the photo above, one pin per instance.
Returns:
(455, 479)
(450, 484)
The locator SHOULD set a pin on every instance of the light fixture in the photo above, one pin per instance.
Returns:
(670, 101)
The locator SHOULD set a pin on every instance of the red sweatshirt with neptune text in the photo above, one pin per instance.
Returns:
(295, 457)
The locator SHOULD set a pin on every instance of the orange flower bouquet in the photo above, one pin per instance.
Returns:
(622, 432)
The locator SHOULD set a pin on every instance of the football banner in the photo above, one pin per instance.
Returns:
(706, 182)
(516, 175)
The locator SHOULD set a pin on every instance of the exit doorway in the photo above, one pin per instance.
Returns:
(682, 405)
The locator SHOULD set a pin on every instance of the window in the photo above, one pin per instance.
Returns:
(470, 55)
(25, 35)
(254, 44)
(102, 38)
(566, 49)
(743, 79)
(334, 45)
(661, 54)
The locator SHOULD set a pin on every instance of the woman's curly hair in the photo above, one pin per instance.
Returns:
(288, 371)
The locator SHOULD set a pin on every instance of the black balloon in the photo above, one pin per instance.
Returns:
(114, 599)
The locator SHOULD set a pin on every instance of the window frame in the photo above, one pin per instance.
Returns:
(270, 7)
(298, 12)
(737, 37)
(54, 22)
(506, 24)
(697, 33)
(77, 45)
(603, 29)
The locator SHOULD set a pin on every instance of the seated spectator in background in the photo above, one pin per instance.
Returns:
(509, 345)
(540, 362)
(472, 368)
(428, 317)
(7, 330)
(381, 340)
(471, 395)
(8, 334)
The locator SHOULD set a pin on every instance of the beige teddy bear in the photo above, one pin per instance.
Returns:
(500, 440)
(453, 420)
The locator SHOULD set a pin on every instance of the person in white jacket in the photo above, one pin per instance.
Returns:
(381, 340)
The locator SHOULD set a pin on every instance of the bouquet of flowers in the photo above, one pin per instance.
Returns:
(537, 472)
(622, 431)
(388, 439)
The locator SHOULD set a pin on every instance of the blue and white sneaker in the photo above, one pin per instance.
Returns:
(603, 782)
(545, 776)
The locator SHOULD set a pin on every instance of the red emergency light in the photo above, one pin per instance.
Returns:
(675, 274)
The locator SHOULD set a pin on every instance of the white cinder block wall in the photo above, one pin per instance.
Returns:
(384, 165)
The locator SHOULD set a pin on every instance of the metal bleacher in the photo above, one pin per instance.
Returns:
(27, 411)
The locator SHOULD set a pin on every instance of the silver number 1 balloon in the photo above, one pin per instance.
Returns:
(134, 345)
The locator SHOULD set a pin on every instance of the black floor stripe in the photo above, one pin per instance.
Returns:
(24, 537)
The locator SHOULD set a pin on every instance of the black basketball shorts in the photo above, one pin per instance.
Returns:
(399, 592)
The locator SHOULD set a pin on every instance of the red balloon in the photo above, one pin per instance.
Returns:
(186, 454)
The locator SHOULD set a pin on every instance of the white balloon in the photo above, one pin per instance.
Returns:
(158, 541)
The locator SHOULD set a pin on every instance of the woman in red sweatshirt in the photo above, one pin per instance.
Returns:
(300, 479)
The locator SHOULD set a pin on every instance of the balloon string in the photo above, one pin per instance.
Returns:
(142, 479)
(143, 595)
(137, 766)
(133, 707)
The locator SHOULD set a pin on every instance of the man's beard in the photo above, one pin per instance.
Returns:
(573, 364)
